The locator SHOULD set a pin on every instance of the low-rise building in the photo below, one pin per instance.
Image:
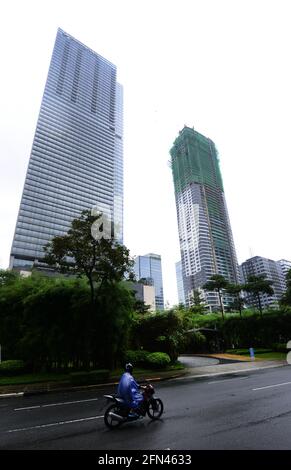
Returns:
(146, 294)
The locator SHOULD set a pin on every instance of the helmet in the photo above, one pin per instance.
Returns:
(129, 367)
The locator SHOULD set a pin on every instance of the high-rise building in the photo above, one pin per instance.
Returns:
(76, 160)
(257, 266)
(285, 267)
(180, 285)
(206, 241)
(149, 269)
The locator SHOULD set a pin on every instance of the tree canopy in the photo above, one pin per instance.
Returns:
(257, 285)
(217, 282)
(101, 260)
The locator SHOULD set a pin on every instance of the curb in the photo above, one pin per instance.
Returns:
(27, 393)
(184, 375)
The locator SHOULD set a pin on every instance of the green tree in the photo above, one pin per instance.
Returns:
(8, 277)
(197, 303)
(216, 283)
(13, 296)
(162, 331)
(140, 306)
(113, 323)
(235, 290)
(257, 285)
(50, 323)
(102, 261)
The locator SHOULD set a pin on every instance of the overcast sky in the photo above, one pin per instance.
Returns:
(221, 66)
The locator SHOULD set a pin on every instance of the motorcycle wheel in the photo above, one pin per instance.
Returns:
(110, 422)
(155, 408)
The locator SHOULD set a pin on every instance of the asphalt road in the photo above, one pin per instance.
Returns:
(240, 411)
(198, 361)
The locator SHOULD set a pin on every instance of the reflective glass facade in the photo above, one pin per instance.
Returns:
(149, 267)
(76, 160)
(180, 285)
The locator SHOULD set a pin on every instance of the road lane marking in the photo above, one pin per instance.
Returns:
(60, 423)
(271, 386)
(28, 408)
(8, 395)
(227, 380)
(54, 404)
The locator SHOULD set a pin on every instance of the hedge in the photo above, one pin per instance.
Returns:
(12, 367)
(89, 377)
(162, 331)
(253, 330)
(137, 357)
(158, 360)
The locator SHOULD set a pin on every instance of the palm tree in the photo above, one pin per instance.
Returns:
(216, 283)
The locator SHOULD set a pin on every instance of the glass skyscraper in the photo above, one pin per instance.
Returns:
(180, 285)
(76, 160)
(149, 268)
(205, 235)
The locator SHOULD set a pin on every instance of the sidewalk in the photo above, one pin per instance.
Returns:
(235, 357)
(226, 366)
(244, 365)
(232, 368)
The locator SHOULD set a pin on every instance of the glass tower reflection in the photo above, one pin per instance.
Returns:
(149, 268)
(76, 160)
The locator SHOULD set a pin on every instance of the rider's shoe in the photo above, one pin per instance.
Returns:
(133, 415)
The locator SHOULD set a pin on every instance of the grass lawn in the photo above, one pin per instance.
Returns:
(279, 356)
(260, 353)
(114, 375)
(33, 378)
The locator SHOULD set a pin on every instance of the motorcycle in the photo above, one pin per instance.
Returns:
(118, 412)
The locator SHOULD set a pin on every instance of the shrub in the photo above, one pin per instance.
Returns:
(197, 342)
(11, 367)
(89, 378)
(161, 331)
(137, 358)
(158, 360)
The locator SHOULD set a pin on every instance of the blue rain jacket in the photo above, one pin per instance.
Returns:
(129, 391)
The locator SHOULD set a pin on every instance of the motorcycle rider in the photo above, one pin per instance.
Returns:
(128, 389)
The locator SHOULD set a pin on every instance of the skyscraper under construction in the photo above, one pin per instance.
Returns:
(206, 241)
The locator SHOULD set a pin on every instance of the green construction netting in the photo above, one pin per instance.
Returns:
(194, 160)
